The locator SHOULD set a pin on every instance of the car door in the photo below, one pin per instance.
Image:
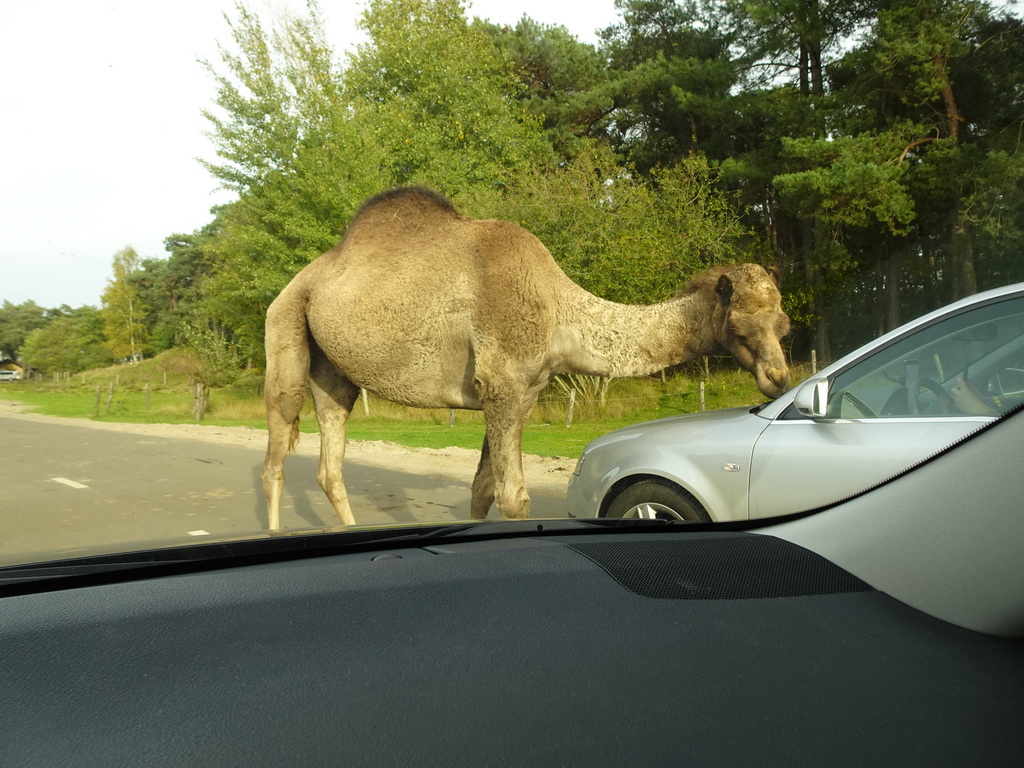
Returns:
(890, 409)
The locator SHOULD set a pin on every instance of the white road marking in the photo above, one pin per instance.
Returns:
(198, 533)
(68, 483)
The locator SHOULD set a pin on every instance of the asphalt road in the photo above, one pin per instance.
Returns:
(69, 490)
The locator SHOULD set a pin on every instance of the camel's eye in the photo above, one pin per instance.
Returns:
(739, 334)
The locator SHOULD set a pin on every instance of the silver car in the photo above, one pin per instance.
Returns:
(875, 412)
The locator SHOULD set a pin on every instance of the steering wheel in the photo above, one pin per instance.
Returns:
(944, 400)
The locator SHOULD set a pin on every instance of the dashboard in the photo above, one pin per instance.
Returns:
(604, 648)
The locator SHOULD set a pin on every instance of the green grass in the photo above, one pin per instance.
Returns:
(538, 439)
(170, 402)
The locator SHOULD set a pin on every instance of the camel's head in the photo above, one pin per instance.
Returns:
(749, 322)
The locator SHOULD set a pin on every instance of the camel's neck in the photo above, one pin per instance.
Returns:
(603, 338)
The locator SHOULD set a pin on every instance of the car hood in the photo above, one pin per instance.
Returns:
(687, 427)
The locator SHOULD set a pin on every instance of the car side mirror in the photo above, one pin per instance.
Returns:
(811, 399)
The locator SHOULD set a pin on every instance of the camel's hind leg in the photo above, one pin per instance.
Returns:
(334, 395)
(287, 368)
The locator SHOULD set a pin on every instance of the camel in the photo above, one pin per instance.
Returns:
(428, 308)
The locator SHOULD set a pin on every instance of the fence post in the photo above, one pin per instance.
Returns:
(814, 361)
(702, 395)
(110, 396)
(451, 417)
(572, 404)
(366, 402)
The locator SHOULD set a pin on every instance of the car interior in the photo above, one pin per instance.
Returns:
(915, 376)
(885, 629)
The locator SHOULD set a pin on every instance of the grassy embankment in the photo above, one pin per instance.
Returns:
(241, 404)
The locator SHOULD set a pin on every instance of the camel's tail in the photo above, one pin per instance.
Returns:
(287, 347)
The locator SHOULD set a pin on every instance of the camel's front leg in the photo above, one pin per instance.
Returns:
(333, 395)
(500, 474)
(483, 485)
(510, 494)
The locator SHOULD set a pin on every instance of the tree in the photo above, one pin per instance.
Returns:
(869, 149)
(437, 97)
(625, 237)
(674, 72)
(170, 288)
(17, 321)
(72, 341)
(945, 75)
(562, 81)
(794, 40)
(212, 361)
(427, 100)
(123, 311)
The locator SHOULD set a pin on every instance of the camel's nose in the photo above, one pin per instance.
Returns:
(779, 377)
(773, 380)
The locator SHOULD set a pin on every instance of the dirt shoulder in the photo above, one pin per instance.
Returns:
(460, 463)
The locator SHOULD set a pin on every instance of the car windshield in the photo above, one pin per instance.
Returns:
(276, 268)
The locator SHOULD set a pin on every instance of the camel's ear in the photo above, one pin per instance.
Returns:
(724, 289)
(773, 273)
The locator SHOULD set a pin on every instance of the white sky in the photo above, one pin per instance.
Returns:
(100, 126)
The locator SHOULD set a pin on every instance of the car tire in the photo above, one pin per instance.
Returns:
(657, 499)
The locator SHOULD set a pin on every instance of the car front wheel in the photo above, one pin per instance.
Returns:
(656, 499)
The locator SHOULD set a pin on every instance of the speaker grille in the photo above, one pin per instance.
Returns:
(722, 567)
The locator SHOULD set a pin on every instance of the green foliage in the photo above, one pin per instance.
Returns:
(674, 73)
(17, 321)
(871, 150)
(124, 312)
(210, 357)
(627, 238)
(851, 181)
(71, 342)
(562, 81)
(210, 360)
(435, 93)
(794, 40)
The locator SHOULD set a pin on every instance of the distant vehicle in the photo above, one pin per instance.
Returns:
(880, 409)
(10, 375)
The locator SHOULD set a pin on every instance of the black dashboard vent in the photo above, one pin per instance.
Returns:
(719, 567)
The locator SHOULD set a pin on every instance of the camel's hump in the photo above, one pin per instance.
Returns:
(398, 199)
